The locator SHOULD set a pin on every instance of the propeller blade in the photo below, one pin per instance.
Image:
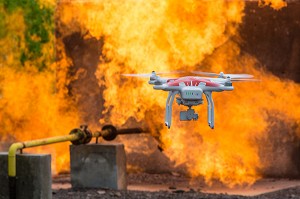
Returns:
(137, 75)
(245, 80)
(205, 73)
(149, 74)
(171, 72)
(239, 76)
(222, 75)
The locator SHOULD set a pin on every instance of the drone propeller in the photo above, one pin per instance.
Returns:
(205, 73)
(138, 75)
(153, 73)
(222, 75)
(245, 80)
(238, 76)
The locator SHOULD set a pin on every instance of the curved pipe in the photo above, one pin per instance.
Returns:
(109, 132)
(21, 145)
(12, 158)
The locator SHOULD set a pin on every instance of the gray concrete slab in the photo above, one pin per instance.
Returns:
(98, 166)
(33, 176)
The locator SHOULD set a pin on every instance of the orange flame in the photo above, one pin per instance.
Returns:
(141, 37)
(34, 104)
(275, 4)
(172, 35)
(30, 109)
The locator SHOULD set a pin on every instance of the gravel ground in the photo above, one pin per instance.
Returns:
(107, 194)
(175, 186)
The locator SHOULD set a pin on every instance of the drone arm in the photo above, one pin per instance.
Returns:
(210, 109)
(157, 80)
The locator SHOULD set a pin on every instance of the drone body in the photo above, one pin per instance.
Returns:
(190, 90)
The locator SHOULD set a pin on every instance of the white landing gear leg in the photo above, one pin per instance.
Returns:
(168, 116)
(210, 110)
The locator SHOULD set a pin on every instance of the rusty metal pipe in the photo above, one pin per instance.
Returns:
(109, 132)
(130, 131)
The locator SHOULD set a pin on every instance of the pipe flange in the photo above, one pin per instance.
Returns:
(111, 132)
(85, 135)
(81, 136)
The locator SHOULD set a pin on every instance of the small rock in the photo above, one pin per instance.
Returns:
(175, 174)
(118, 194)
(111, 194)
(179, 191)
(101, 192)
(172, 187)
(192, 190)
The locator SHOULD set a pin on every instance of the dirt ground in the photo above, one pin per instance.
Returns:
(175, 185)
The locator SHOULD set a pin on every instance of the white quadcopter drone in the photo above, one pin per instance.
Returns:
(190, 89)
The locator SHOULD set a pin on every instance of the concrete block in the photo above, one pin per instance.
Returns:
(98, 166)
(33, 176)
